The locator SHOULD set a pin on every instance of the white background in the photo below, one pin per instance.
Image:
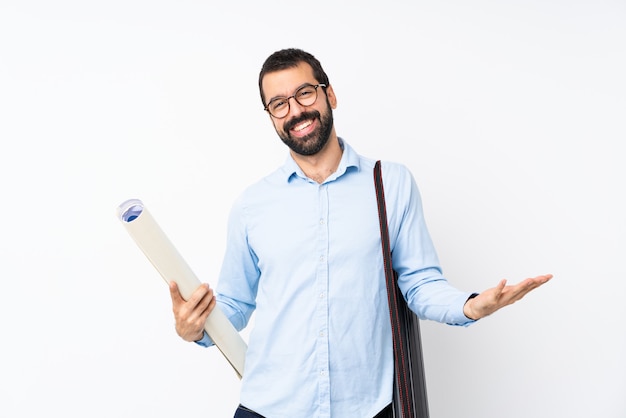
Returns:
(511, 116)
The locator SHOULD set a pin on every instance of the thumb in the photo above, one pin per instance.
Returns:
(175, 293)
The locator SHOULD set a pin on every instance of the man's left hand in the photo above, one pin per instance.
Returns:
(500, 296)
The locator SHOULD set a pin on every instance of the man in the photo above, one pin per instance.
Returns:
(304, 252)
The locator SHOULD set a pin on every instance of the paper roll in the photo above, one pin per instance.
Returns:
(169, 263)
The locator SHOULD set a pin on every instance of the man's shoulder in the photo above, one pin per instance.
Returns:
(394, 169)
(366, 163)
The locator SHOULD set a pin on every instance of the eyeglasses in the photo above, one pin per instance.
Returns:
(305, 96)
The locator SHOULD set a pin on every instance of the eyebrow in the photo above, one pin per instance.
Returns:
(297, 88)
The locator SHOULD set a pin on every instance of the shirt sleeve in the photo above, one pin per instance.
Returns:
(239, 276)
(427, 292)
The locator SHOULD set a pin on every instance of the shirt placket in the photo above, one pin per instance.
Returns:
(321, 280)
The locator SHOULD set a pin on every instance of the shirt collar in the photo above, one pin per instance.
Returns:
(349, 159)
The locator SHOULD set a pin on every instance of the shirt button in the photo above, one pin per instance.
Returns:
(322, 373)
(322, 295)
(321, 333)
(322, 222)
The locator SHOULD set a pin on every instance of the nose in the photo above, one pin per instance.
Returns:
(295, 108)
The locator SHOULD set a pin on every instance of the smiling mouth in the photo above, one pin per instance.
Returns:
(301, 126)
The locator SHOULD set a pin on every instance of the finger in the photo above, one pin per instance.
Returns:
(204, 303)
(193, 300)
(211, 305)
(539, 280)
(206, 311)
(535, 282)
(177, 299)
(544, 278)
(520, 290)
(199, 294)
(501, 286)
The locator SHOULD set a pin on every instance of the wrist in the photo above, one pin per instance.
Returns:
(467, 308)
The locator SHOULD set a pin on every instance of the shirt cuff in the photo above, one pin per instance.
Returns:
(205, 341)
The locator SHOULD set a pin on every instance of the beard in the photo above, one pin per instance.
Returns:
(312, 143)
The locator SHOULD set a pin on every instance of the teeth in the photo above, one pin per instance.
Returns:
(302, 125)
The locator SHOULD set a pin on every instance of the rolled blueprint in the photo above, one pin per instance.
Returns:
(169, 263)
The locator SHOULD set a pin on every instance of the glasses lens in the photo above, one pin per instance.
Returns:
(306, 95)
(279, 107)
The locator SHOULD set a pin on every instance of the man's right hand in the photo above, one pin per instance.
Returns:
(191, 315)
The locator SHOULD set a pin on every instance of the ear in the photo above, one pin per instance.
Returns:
(332, 99)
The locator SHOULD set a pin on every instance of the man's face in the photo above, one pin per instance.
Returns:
(305, 129)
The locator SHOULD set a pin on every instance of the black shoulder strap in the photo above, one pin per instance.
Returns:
(410, 399)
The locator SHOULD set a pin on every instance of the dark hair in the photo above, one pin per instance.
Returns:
(290, 58)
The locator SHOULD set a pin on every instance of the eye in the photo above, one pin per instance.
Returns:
(306, 91)
(277, 104)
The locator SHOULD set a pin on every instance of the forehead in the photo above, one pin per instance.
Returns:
(285, 82)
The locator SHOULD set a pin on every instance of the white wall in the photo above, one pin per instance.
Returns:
(511, 115)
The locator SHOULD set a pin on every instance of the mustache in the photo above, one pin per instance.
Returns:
(313, 114)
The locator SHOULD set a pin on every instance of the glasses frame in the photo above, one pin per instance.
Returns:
(293, 96)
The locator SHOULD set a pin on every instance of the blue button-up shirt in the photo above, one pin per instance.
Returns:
(306, 258)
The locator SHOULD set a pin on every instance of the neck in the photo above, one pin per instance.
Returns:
(320, 166)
